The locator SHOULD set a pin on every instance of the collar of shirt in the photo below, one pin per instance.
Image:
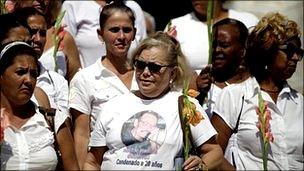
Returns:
(252, 88)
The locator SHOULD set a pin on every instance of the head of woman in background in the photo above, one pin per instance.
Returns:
(35, 21)
(274, 48)
(12, 30)
(160, 66)
(117, 29)
(228, 48)
(200, 8)
(19, 69)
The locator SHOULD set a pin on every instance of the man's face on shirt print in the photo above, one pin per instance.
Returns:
(143, 134)
(144, 125)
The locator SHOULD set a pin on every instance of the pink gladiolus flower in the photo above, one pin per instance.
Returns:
(264, 117)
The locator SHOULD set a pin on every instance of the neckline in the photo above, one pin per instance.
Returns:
(270, 91)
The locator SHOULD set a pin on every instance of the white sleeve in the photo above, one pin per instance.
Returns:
(79, 97)
(203, 131)
(226, 108)
(69, 18)
(98, 136)
(61, 101)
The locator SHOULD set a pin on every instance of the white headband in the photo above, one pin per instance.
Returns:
(7, 47)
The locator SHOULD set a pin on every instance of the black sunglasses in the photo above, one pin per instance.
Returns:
(153, 67)
(290, 50)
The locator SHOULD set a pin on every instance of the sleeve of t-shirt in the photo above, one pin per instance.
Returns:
(225, 108)
(79, 97)
(69, 18)
(203, 131)
(61, 100)
(98, 136)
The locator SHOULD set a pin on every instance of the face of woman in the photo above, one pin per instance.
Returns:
(286, 59)
(38, 29)
(117, 34)
(17, 34)
(18, 80)
(153, 73)
(227, 50)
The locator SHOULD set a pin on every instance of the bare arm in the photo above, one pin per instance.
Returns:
(211, 157)
(94, 158)
(66, 146)
(72, 56)
(224, 133)
(212, 154)
(81, 135)
(42, 98)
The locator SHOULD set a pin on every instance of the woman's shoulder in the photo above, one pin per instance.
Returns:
(181, 19)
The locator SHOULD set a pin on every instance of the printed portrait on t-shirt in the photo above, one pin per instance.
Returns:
(143, 134)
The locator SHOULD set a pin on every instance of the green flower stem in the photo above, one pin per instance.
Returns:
(209, 24)
(56, 38)
(187, 142)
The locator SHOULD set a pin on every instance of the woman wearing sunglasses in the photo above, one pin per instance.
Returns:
(112, 75)
(141, 130)
(274, 48)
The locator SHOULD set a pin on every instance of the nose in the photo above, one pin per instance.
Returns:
(146, 71)
(29, 80)
(218, 48)
(296, 57)
(36, 37)
(121, 34)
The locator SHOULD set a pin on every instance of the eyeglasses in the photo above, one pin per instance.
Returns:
(290, 50)
(153, 67)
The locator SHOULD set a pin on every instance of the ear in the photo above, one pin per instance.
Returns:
(174, 73)
(100, 34)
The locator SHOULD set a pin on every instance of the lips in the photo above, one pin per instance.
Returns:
(27, 91)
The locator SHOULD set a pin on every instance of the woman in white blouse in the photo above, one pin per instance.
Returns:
(28, 141)
(273, 50)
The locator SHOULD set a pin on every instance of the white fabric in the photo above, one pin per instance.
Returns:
(91, 87)
(30, 147)
(286, 125)
(115, 123)
(57, 90)
(212, 95)
(82, 20)
(193, 36)
(48, 61)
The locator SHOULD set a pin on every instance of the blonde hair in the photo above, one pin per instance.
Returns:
(175, 57)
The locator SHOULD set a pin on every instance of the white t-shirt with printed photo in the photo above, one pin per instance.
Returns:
(144, 134)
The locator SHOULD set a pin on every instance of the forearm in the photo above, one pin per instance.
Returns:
(91, 163)
(66, 146)
(81, 145)
(226, 165)
(213, 157)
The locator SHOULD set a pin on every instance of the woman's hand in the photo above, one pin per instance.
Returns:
(194, 163)
(204, 80)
